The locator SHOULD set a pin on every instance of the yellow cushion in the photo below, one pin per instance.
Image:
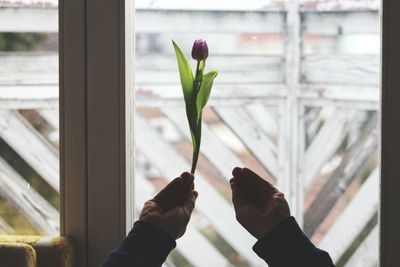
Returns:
(48, 251)
(17, 255)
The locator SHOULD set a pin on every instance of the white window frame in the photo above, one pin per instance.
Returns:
(96, 180)
(92, 126)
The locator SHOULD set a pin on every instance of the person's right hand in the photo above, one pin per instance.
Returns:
(259, 206)
(172, 207)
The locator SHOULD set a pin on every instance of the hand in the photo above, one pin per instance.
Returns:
(259, 206)
(171, 208)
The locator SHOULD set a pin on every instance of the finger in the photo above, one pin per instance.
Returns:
(238, 178)
(176, 191)
(187, 175)
(255, 182)
(187, 208)
(237, 172)
(167, 196)
(238, 199)
(189, 204)
(248, 177)
(188, 180)
(253, 188)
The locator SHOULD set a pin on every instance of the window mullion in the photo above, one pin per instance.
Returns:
(291, 181)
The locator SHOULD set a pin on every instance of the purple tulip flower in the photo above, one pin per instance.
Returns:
(200, 50)
(196, 91)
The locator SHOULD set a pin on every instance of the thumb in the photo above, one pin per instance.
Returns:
(175, 193)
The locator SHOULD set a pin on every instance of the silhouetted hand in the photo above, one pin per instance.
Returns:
(259, 206)
(172, 207)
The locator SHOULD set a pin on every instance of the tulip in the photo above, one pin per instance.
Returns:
(200, 50)
(196, 91)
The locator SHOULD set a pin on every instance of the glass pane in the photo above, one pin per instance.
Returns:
(29, 135)
(296, 100)
(341, 58)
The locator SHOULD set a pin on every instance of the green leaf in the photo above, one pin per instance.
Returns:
(205, 91)
(185, 72)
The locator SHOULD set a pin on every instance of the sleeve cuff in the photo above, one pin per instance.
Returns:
(285, 242)
(154, 242)
(153, 233)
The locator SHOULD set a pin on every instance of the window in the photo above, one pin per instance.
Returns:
(29, 127)
(296, 99)
(294, 78)
(92, 140)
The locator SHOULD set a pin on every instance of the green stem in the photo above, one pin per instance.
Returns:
(199, 75)
(197, 124)
(196, 150)
(195, 158)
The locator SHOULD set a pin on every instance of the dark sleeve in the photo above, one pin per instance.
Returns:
(287, 246)
(146, 245)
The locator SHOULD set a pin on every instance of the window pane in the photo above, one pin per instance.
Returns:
(29, 161)
(296, 100)
(341, 57)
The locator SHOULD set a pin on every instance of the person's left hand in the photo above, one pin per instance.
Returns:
(172, 207)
